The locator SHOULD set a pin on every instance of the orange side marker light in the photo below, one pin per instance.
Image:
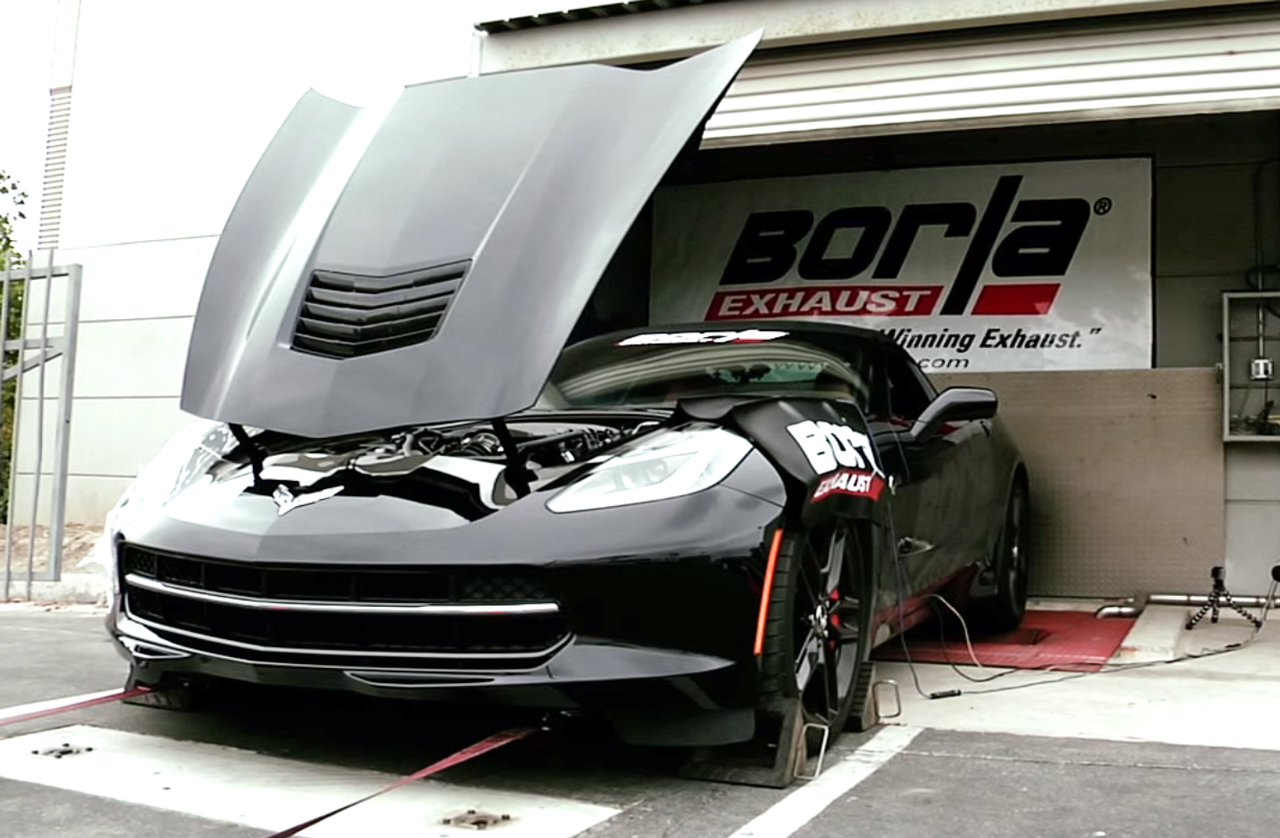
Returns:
(767, 593)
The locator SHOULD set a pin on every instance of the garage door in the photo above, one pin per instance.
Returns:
(1069, 75)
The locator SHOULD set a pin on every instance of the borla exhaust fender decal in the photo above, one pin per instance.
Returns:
(864, 484)
(828, 446)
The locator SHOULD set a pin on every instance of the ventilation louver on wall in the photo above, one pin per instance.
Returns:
(55, 167)
(346, 316)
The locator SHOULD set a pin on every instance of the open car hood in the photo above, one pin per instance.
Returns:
(425, 260)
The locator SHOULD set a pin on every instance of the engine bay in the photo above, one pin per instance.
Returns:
(467, 468)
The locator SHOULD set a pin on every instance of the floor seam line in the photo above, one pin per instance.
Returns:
(1088, 763)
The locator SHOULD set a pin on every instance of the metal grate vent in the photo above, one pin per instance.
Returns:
(55, 167)
(346, 316)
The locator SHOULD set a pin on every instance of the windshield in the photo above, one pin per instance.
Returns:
(606, 372)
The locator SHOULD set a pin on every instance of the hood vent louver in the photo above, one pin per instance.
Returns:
(347, 315)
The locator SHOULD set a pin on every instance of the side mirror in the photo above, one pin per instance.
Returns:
(955, 404)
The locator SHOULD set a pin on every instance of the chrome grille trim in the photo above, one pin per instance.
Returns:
(440, 609)
(342, 653)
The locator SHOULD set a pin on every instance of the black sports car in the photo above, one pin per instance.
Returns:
(407, 487)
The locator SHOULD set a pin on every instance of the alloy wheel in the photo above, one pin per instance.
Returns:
(827, 620)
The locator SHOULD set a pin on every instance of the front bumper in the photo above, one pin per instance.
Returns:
(636, 609)
(582, 674)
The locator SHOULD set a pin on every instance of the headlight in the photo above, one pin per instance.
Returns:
(665, 465)
(192, 449)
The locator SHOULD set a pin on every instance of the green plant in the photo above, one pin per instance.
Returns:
(10, 257)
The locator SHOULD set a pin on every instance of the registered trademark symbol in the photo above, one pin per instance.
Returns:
(1102, 206)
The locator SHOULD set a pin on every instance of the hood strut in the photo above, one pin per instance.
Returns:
(251, 450)
(518, 475)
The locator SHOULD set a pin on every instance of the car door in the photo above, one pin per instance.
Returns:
(985, 483)
(930, 505)
(972, 484)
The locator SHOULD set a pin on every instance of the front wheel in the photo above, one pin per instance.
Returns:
(817, 638)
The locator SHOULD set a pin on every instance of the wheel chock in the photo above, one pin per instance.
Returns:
(866, 710)
(772, 759)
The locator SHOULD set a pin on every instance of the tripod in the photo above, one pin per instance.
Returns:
(1217, 596)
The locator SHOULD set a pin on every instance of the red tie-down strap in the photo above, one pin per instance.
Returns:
(78, 705)
(484, 746)
(493, 742)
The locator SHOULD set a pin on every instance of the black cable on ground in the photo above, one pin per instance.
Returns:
(1106, 668)
(1120, 667)
(942, 634)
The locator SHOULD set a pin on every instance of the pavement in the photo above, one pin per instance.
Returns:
(1182, 749)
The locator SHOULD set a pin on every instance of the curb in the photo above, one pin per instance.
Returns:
(72, 589)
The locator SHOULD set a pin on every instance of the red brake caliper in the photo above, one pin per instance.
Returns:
(835, 618)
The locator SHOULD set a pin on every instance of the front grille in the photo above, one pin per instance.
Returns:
(412, 634)
(286, 635)
(346, 316)
(324, 583)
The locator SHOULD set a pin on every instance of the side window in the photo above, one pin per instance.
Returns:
(908, 392)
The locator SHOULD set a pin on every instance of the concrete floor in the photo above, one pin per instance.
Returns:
(1175, 750)
(1220, 700)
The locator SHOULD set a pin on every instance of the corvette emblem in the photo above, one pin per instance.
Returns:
(287, 500)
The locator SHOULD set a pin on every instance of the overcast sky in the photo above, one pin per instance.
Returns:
(25, 58)
(27, 27)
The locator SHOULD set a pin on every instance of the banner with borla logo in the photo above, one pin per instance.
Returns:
(1028, 266)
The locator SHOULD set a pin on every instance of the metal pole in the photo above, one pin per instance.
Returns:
(61, 447)
(44, 365)
(1196, 600)
(13, 443)
(17, 412)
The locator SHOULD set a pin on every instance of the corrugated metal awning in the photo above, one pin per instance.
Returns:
(594, 12)
(1071, 75)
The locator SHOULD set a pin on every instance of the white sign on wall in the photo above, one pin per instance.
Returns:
(1028, 266)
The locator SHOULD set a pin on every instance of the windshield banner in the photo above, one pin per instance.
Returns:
(1030, 266)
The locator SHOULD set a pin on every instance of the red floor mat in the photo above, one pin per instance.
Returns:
(1073, 640)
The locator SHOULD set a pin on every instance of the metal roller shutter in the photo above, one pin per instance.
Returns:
(1073, 75)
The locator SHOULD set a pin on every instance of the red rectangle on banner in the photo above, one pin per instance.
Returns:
(1017, 299)
(826, 301)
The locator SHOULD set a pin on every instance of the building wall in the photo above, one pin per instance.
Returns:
(1112, 513)
(793, 22)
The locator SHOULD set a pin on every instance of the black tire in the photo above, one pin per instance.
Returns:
(828, 678)
(1004, 611)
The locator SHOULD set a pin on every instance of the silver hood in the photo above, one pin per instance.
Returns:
(424, 261)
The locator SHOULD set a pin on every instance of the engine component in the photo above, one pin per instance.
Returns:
(483, 444)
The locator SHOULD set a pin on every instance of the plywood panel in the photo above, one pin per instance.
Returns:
(1126, 472)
